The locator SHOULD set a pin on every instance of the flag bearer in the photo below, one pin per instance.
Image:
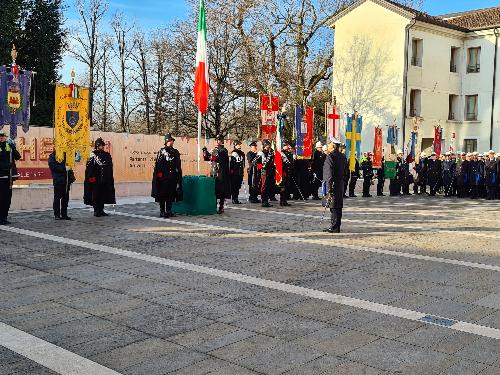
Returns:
(265, 179)
(367, 168)
(8, 174)
(252, 173)
(62, 178)
(219, 158)
(236, 171)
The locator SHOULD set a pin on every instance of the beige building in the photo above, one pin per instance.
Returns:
(397, 65)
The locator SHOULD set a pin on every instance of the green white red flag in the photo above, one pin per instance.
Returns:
(201, 74)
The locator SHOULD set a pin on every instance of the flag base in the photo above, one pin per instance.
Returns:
(199, 197)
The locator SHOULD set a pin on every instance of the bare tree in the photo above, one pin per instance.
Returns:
(104, 88)
(140, 56)
(87, 42)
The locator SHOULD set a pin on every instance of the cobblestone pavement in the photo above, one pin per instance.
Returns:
(411, 286)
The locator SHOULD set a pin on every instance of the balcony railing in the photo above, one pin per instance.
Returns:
(414, 112)
(453, 68)
(451, 116)
(475, 68)
(472, 116)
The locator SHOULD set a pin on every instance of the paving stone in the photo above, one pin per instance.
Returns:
(322, 365)
(463, 366)
(318, 310)
(393, 356)
(483, 349)
(214, 367)
(246, 348)
(280, 358)
(390, 327)
(162, 365)
(25, 367)
(336, 340)
(427, 336)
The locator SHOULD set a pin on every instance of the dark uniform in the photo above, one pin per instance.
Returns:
(265, 177)
(333, 175)
(236, 171)
(463, 185)
(8, 174)
(395, 183)
(448, 177)
(421, 169)
(433, 175)
(317, 163)
(354, 175)
(99, 185)
(474, 178)
(381, 180)
(491, 169)
(286, 186)
(62, 178)
(253, 194)
(406, 177)
(167, 178)
(219, 158)
(302, 179)
(367, 168)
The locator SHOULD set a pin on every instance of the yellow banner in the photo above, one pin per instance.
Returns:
(72, 124)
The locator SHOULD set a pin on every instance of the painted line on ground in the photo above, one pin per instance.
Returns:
(49, 355)
(291, 237)
(273, 285)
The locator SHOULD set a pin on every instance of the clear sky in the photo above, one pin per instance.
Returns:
(152, 14)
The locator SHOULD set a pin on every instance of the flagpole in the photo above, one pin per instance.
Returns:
(199, 141)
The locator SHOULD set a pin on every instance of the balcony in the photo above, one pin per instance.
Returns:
(475, 68)
(471, 116)
(451, 116)
(453, 68)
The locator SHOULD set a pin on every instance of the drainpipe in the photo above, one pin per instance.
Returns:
(405, 78)
(497, 33)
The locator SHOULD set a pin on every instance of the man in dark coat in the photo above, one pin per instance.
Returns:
(236, 171)
(99, 185)
(251, 155)
(62, 178)
(491, 176)
(347, 174)
(219, 158)
(381, 179)
(266, 176)
(8, 174)
(474, 176)
(463, 176)
(421, 168)
(318, 160)
(286, 186)
(354, 175)
(302, 179)
(333, 175)
(167, 177)
(433, 173)
(367, 168)
(448, 175)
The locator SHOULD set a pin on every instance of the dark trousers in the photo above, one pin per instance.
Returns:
(405, 188)
(395, 188)
(336, 217)
(462, 191)
(98, 198)
(61, 199)
(491, 192)
(352, 185)
(5, 198)
(415, 188)
(166, 195)
(236, 182)
(380, 186)
(366, 186)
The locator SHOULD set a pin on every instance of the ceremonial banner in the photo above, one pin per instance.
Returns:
(269, 107)
(278, 161)
(15, 90)
(72, 124)
(353, 139)
(201, 78)
(332, 121)
(438, 139)
(410, 158)
(378, 148)
(304, 132)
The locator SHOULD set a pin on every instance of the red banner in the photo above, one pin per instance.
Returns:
(269, 107)
(308, 136)
(438, 138)
(377, 148)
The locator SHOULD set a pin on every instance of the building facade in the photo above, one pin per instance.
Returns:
(396, 65)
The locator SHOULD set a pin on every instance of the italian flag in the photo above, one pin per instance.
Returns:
(201, 74)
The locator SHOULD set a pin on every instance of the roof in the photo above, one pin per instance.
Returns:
(408, 12)
(475, 19)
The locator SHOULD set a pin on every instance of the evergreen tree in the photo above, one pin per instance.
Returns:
(10, 21)
(40, 50)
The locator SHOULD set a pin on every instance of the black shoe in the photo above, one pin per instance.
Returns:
(286, 204)
(66, 217)
(97, 214)
(316, 198)
(352, 196)
(104, 214)
(162, 213)
(367, 196)
(273, 199)
(220, 211)
(236, 202)
(380, 195)
(57, 217)
(334, 230)
(345, 196)
(4, 222)
(266, 204)
(167, 215)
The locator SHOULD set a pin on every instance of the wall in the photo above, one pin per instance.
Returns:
(133, 155)
(385, 30)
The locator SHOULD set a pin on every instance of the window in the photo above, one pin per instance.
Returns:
(415, 100)
(471, 108)
(470, 145)
(473, 56)
(455, 58)
(453, 107)
(417, 46)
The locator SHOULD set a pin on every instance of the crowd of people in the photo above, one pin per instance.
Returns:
(465, 175)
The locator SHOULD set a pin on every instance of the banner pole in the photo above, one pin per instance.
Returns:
(199, 141)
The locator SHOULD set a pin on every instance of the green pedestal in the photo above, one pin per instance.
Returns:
(390, 169)
(199, 196)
